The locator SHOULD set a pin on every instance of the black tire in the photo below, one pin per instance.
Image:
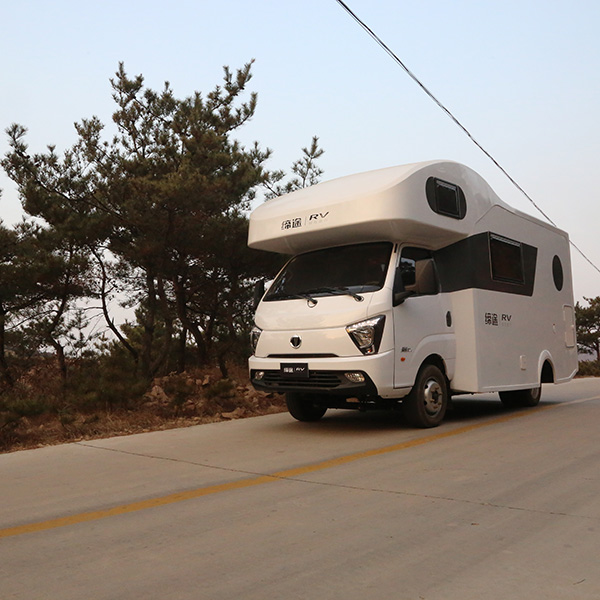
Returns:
(521, 398)
(303, 408)
(427, 402)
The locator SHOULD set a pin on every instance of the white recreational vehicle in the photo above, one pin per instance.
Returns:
(407, 285)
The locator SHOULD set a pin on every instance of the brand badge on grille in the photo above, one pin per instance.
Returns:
(296, 341)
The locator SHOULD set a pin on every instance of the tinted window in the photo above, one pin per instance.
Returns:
(467, 264)
(358, 268)
(506, 259)
(446, 198)
(557, 273)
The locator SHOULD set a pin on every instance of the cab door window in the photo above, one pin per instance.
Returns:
(416, 272)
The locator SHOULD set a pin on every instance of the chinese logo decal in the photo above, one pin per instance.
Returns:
(491, 319)
(292, 223)
(303, 221)
(495, 320)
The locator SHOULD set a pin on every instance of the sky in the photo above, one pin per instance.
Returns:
(523, 77)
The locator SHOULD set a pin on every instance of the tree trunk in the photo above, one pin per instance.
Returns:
(223, 365)
(163, 355)
(149, 323)
(60, 357)
(60, 353)
(181, 351)
(191, 326)
(4, 370)
(107, 318)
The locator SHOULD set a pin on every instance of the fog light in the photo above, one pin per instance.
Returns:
(259, 375)
(355, 377)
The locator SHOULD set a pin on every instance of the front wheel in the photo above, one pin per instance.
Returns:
(303, 408)
(427, 402)
(520, 398)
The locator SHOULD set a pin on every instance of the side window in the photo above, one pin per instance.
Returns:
(416, 272)
(506, 258)
(446, 198)
(557, 273)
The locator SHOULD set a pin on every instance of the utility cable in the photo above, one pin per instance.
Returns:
(455, 119)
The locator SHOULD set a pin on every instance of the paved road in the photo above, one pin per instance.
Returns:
(494, 504)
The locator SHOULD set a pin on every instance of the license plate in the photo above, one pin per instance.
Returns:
(294, 371)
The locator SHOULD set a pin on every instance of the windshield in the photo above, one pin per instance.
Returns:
(343, 270)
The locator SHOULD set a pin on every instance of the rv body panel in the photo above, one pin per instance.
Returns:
(378, 205)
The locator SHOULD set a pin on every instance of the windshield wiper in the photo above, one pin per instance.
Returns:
(303, 296)
(337, 291)
(334, 291)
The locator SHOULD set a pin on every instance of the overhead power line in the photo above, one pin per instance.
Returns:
(455, 119)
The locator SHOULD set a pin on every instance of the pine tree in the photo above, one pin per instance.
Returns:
(588, 326)
(163, 203)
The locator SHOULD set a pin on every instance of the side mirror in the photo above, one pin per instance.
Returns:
(401, 293)
(400, 297)
(426, 283)
(259, 292)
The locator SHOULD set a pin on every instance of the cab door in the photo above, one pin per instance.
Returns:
(423, 324)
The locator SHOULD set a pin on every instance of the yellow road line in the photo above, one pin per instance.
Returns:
(259, 480)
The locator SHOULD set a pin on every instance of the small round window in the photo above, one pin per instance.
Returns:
(557, 273)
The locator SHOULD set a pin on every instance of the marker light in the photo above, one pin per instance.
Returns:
(367, 334)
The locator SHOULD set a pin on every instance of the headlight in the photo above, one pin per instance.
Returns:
(367, 334)
(254, 336)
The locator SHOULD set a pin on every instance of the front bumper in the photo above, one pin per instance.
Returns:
(327, 375)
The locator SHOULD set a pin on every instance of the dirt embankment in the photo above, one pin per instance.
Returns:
(177, 400)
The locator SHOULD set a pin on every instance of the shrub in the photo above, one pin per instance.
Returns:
(589, 368)
(26, 407)
(223, 388)
(179, 389)
(104, 383)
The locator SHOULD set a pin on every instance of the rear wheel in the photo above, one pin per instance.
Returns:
(517, 398)
(427, 402)
(303, 408)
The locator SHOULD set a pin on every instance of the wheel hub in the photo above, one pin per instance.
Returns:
(433, 396)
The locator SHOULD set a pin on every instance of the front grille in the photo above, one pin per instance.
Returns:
(316, 380)
(297, 355)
